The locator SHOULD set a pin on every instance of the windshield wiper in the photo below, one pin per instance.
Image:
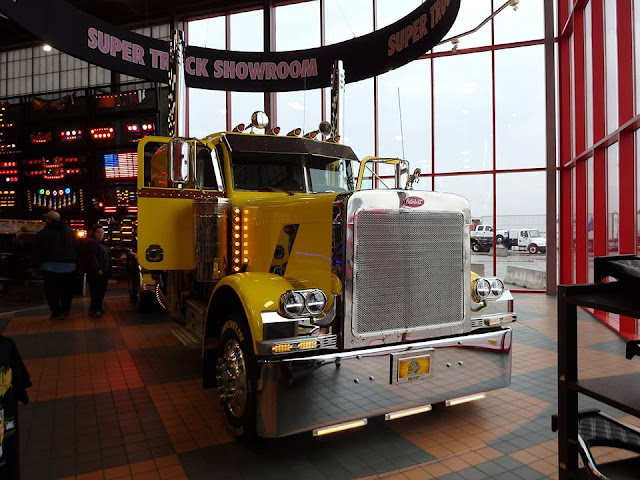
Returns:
(268, 188)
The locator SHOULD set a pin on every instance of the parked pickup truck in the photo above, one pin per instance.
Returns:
(528, 239)
(482, 238)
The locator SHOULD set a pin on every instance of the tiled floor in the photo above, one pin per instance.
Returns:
(121, 397)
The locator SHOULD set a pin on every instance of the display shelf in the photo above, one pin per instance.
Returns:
(619, 391)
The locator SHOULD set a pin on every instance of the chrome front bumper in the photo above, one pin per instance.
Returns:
(301, 394)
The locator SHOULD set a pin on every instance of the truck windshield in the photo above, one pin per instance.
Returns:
(534, 233)
(287, 172)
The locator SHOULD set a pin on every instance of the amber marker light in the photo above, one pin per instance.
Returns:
(318, 432)
(295, 132)
(282, 348)
(468, 398)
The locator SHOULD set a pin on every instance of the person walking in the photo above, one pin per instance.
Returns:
(55, 255)
(96, 261)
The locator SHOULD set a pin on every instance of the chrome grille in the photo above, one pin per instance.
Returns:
(408, 270)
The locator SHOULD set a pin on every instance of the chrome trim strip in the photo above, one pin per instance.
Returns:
(331, 388)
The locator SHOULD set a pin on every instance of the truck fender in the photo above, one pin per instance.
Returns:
(252, 293)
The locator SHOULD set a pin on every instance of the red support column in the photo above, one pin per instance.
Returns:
(565, 155)
(625, 113)
(579, 101)
(599, 129)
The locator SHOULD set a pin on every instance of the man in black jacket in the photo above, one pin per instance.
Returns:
(96, 261)
(54, 253)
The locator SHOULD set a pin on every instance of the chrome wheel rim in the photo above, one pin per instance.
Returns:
(232, 378)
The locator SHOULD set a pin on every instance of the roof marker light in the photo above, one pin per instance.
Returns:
(312, 134)
(239, 128)
(295, 132)
(273, 131)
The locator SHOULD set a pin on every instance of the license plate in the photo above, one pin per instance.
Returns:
(413, 368)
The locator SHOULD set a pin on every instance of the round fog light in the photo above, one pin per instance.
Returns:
(293, 304)
(316, 301)
(483, 288)
(497, 287)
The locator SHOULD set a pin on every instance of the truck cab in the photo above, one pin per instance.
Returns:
(319, 305)
(526, 239)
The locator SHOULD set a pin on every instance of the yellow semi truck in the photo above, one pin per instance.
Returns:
(319, 304)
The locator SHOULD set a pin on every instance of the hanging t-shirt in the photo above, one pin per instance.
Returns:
(14, 381)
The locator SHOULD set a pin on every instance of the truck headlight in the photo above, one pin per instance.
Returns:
(482, 289)
(293, 304)
(497, 287)
(316, 301)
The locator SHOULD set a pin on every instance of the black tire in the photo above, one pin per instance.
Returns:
(476, 247)
(532, 248)
(236, 350)
(499, 239)
(147, 302)
(134, 286)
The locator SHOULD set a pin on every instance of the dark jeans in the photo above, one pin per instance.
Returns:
(98, 289)
(58, 288)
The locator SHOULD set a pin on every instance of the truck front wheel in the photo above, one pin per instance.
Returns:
(532, 248)
(236, 374)
(476, 247)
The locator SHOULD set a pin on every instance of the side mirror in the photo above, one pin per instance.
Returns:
(180, 152)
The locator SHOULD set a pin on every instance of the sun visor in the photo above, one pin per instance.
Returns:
(287, 146)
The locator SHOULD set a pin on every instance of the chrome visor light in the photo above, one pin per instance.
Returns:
(482, 289)
(316, 301)
(293, 304)
(497, 287)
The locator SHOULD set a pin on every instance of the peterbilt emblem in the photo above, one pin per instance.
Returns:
(413, 202)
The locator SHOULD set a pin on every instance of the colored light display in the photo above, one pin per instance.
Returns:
(40, 137)
(56, 198)
(53, 168)
(8, 172)
(7, 198)
(121, 165)
(71, 135)
(103, 133)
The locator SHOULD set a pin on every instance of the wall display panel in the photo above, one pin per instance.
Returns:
(298, 26)
(525, 23)
(120, 165)
(613, 200)
(347, 19)
(520, 116)
(463, 119)
(472, 13)
(611, 65)
(389, 11)
(413, 81)
(521, 216)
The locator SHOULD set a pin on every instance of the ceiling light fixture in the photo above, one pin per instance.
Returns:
(46, 47)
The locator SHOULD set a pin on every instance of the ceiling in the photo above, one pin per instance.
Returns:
(130, 13)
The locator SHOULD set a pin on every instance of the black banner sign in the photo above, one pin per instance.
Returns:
(86, 37)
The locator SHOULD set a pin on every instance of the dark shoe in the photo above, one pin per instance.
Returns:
(61, 316)
(98, 313)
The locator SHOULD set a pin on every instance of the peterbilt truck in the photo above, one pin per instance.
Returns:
(319, 304)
